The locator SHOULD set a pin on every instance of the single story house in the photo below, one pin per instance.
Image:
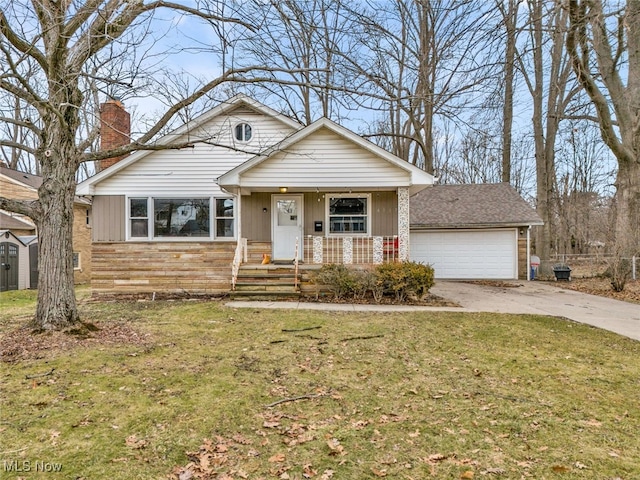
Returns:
(250, 186)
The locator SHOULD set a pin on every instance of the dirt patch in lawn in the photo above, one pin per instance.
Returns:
(601, 286)
(23, 343)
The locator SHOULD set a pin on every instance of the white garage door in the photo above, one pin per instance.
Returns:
(468, 254)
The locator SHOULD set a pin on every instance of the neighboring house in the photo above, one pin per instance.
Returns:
(252, 185)
(19, 225)
(24, 186)
(473, 231)
(14, 262)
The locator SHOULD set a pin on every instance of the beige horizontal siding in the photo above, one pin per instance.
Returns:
(147, 267)
(193, 171)
(326, 159)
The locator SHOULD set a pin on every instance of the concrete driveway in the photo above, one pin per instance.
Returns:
(545, 299)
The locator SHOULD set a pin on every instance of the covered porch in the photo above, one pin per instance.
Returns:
(324, 195)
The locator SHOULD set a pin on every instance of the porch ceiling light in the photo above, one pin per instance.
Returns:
(283, 189)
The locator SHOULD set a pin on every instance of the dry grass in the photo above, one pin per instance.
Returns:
(409, 396)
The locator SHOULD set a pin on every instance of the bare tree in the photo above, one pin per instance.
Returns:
(421, 60)
(510, 20)
(54, 57)
(307, 37)
(547, 73)
(604, 44)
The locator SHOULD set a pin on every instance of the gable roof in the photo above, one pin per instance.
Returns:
(9, 222)
(471, 206)
(26, 179)
(233, 178)
(7, 233)
(86, 187)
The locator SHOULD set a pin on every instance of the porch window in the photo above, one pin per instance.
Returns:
(175, 218)
(348, 214)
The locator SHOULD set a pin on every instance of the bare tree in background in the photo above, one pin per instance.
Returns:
(55, 58)
(547, 73)
(308, 37)
(421, 59)
(604, 44)
(509, 14)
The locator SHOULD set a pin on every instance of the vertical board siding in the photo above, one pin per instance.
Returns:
(171, 268)
(109, 217)
(384, 213)
(326, 159)
(256, 223)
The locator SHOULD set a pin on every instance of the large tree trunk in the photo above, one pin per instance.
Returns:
(56, 295)
(627, 208)
(58, 157)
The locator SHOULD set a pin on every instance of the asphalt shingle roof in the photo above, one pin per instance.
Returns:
(28, 179)
(469, 206)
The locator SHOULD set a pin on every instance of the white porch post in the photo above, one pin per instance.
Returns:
(403, 224)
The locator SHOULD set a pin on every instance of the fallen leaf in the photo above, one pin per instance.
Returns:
(335, 447)
(136, 443)
(580, 466)
(277, 458)
(467, 475)
(379, 473)
(436, 457)
(560, 469)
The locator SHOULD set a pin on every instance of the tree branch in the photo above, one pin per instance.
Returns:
(30, 208)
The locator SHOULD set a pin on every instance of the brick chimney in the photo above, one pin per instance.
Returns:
(115, 129)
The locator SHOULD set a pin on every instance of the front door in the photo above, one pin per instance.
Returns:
(287, 225)
(8, 266)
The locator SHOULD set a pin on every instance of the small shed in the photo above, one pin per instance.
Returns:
(14, 262)
(476, 231)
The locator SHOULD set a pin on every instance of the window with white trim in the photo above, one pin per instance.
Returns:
(76, 261)
(348, 214)
(175, 218)
(242, 132)
(224, 218)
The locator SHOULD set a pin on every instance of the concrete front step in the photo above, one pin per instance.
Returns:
(273, 295)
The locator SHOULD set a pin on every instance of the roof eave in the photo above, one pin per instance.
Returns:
(469, 226)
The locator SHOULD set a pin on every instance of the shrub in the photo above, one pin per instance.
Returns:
(406, 279)
(402, 280)
(337, 278)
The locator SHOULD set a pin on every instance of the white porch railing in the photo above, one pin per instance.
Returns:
(239, 257)
(350, 250)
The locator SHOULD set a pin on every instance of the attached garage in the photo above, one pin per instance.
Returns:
(477, 231)
(468, 254)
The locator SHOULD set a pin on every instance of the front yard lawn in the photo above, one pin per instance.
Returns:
(193, 389)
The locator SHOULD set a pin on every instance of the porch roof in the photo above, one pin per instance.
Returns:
(324, 155)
